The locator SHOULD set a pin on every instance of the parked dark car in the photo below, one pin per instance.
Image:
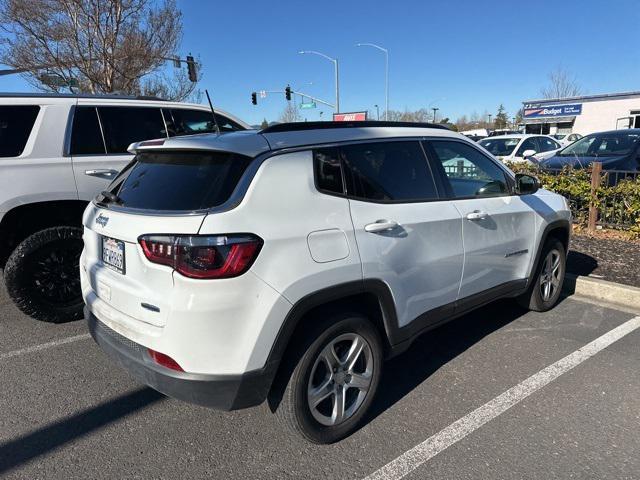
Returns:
(617, 150)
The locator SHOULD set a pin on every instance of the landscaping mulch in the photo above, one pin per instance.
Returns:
(604, 256)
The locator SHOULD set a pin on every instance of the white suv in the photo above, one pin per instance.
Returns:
(57, 152)
(286, 264)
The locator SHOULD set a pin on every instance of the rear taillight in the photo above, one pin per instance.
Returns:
(203, 256)
(164, 360)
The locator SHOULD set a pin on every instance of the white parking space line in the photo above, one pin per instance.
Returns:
(44, 346)
(432, 446)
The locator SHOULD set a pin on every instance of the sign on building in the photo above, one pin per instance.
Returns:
(350, 117)
(550, 111)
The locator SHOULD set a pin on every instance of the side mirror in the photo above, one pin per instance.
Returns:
(529, 153)
(526, 184)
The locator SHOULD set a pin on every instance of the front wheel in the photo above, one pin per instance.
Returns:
(334, 381)
(42, 275)
(546, 285)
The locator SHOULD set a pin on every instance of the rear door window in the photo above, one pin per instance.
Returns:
(182, 121)
(388, 172)
(16, 123)
(125, 125)
(86, 136)
(181, 181)
(546, 144)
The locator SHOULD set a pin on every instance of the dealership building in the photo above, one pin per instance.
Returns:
(584, 114)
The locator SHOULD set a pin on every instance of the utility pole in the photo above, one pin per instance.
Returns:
(435, 109)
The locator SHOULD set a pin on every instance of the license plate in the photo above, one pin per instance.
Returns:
(113, 254)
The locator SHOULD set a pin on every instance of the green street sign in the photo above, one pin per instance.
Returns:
(56, 80)
(308, 105)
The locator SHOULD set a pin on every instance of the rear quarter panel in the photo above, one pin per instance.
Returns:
(283, 207)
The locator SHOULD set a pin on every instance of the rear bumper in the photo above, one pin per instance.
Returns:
(222, 392)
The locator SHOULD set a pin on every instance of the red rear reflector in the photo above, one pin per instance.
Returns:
(206, 256)
(164, 360)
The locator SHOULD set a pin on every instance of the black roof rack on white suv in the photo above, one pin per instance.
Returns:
(79, 95)
(300, 126)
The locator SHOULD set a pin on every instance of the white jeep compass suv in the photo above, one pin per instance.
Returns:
(287, 264)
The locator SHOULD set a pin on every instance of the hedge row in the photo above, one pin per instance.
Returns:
(618, 205)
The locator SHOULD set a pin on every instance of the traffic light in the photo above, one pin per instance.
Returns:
(254, 98)
(287, 93)
(191, 69)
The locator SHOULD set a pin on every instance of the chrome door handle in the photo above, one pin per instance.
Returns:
(380, 226)
(101, 172)
(477, 215)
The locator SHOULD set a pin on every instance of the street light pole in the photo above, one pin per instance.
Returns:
(490, 119)
(435, 109)
(335, 65)
(377, 112)
(386, 74)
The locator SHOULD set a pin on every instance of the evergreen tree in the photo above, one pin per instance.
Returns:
(502, 118)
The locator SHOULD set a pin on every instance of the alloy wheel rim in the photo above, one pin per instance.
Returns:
(550, 275)
(340, 379)
(55, 275)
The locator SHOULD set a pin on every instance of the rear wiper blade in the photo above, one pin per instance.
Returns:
(111, 197)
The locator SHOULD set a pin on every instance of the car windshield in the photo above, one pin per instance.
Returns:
(559, 136)
(602, 145)
(500, 147)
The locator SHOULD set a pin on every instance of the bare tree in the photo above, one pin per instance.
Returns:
(421, 115)
(290, 113)
(561, 85)
(106, 46)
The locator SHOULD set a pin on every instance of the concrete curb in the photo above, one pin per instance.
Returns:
(596, 289)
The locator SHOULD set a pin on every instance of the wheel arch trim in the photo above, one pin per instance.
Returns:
(379, 289)
(561, 224)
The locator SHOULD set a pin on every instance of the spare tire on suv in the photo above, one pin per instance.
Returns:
(41, 275)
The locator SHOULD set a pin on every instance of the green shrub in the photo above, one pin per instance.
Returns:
(618, 206)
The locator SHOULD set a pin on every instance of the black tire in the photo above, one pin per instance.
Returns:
(534, 299)
(294, 409)
(42, 275)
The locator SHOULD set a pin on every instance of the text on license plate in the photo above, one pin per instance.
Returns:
(113, 254)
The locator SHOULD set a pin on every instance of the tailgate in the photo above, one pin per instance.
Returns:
(122, 277)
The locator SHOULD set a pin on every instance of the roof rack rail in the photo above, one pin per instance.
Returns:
(78, 95)
(301, 126)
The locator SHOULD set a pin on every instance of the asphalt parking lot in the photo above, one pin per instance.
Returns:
(67, 412)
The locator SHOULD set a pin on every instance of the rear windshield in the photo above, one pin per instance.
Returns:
(179, 181)
(500, 147)
(16, 122)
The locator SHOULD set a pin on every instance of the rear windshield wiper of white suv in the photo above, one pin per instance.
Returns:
(108, 197)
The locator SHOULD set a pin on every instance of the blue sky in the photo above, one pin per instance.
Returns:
(461, 56)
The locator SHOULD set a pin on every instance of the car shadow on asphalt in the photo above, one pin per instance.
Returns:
(30, 446)
(580, 263)
(436, 348)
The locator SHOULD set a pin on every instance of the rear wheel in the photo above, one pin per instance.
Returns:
(547, 283)
(334, 381)
(42, 275)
